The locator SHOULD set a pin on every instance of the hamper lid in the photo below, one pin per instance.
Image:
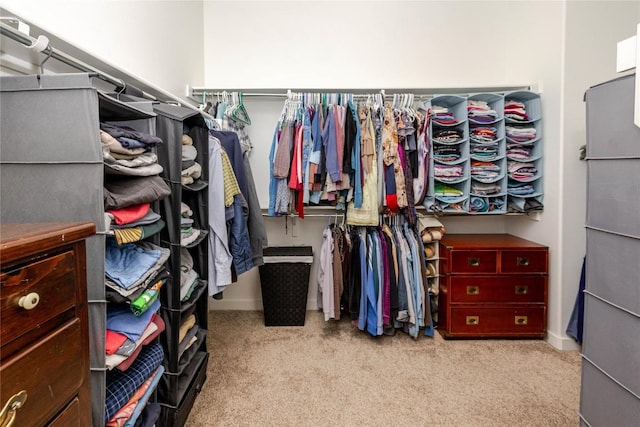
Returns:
(288, 254)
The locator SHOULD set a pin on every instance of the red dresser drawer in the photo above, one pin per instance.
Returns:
(49, 281)
(523, 261)
(503, 289)
(475, 261)
(520, 321)
(50, 372)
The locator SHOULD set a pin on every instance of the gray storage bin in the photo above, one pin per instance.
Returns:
(284, 282)
(613, 268)
(612, 199)
(610, 128)
(605, 403)
(612, 341)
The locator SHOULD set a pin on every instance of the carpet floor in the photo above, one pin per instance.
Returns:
(329, 373)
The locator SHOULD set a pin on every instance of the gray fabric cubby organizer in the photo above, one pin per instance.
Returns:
(51, 169)
(610, 393)
(505, 200)
(184, 373)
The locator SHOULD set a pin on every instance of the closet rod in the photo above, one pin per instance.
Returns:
(51, 52)
(424, 93)
(42, 45)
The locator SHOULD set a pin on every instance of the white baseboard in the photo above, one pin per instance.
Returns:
(562, 342)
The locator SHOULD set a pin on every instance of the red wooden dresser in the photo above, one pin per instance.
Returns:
(492, 286)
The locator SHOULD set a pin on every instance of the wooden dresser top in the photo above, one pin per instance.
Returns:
(19, 239)
(488, 241)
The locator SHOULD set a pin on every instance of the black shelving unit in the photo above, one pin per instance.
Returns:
(184, 373)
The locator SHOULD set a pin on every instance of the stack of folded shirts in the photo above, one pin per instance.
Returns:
(480, 112)
(519, 189)
(484, 189)
(191, 170)
(518, 152)
(485, 151)
(521, 134)
(484, 171)
(132, 267)
(521, 171)
(447, 136)
(122, 386)
(188, 276)
(446, 153)
(448, 173)
(187, 335)
(442, 190)
(188, 234)
(483, 134)
(515, 110)
(442, 115)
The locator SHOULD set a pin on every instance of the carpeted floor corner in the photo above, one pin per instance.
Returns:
(329, 373)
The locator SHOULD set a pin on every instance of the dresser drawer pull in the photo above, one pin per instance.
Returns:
(522, 262)
(8, 413)
(473, 262)
(522, 290)
(473, 320)
(473, 290)
(521, 320)
(29, 301)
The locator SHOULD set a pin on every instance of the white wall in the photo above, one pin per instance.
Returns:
(159, 41)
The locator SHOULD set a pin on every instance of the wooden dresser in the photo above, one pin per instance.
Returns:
(44, 338)
(492, 286)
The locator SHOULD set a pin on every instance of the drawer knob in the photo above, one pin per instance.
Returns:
(472, 320)
(8, 413)
(473, 262)
(521, 320)
(473, 290)
(29, 302)
(522, 261)
(522, 290)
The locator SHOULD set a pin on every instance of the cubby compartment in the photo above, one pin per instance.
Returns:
(522, 107)
(490, 189)
(523, 152)
(488, 171)
(449, 154)
(448, 110)
(484, 108)
(451, 174)
(524, 189)
(524, 171)
(487, 205)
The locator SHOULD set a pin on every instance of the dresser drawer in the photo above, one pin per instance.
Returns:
(475, 261)
(50, 371)
(70, 416)
(503, 289)
(500, 321)
(53, 280)
(522, 261)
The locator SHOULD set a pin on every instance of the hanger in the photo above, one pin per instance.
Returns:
(239, 112)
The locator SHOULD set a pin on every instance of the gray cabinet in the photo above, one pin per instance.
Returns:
(610, 392)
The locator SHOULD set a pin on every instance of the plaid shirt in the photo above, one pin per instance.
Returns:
(122, 385)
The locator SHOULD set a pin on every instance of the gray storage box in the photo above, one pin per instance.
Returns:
(612, 199)
(610, 128)
(605, 403)
(612, 341)
(613, 270)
